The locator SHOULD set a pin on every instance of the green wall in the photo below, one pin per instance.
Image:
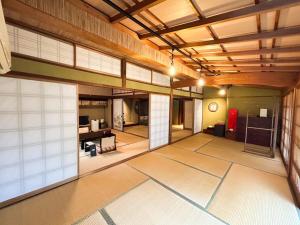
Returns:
(211, 118)
(244, 99)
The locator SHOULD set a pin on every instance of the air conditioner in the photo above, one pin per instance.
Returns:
(5, 54)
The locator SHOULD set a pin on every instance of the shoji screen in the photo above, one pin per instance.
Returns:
(33, 44)
(89, 59)
(159, 120)
(160, 79)
(197, 115)
(138, 73)
(118, 114)
(287, 127)
(188, 114)
(295, 165)
(38, 135)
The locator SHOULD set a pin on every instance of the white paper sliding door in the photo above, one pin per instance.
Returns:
(159, 120)
(197, 115)
(188, 114)
(38, 135)
(118, 114)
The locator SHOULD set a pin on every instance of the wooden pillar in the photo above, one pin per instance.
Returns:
(171, 111)
(123, 72)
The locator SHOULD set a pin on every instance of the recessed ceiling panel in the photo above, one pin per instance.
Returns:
(267, 21)
(267, 43)
(193, 35)
(288, 41)
(222, 58)
(208, 48)
(239, 46)
(174, 11)
(213, 7)
(289, 17)
(237, 27)
(245, 57)
(287, 55)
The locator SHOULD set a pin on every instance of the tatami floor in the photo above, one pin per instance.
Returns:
(128, 146)
(138, 130)
(199, 180)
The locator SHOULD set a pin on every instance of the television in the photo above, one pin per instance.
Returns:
(84, 120)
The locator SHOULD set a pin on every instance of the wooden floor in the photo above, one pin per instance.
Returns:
(199, 180)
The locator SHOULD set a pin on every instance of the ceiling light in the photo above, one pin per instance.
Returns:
(222, 92)
(172, 69)
(201, 82)
(198, 70)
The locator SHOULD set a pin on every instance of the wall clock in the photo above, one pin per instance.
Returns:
(213, 107)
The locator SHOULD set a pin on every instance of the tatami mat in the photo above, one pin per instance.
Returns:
(68, 203)
(94, 219)
(205, 163)
(151, 204)
(89, 164)
(251, 197)
(180, 134)
(139, 130)
(193, 143)
(191, 183)
(233, 151)
(126, 138)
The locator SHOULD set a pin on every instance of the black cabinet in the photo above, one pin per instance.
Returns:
(255, 136)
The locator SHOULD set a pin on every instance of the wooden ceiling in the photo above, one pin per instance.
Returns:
(226, 36)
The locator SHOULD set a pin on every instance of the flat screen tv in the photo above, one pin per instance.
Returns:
(84, 120)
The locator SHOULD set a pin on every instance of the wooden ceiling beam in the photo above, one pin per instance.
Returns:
(249, 37)
(143, 5)
(263, 7)
(264, 61)
(267, 79)
(256, 68)
(249, 52)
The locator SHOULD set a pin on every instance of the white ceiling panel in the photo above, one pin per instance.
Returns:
(193, 35)
(222, 58)
(208, 48)
(289, 17)
(288, 41)
(213, 7)
(243, 57)
(237, 27)
(267, 21)
(174, 11)
(239, 46)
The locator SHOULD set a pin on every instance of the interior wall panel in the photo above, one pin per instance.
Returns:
(197, 115)
(188, 114)
(159, 120)
(38, 135)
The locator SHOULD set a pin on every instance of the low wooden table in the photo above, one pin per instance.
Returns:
(90, 136)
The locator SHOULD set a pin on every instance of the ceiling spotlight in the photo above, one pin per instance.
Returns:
(198, 70)
(222, 92)
(172, 69)
(201, 82)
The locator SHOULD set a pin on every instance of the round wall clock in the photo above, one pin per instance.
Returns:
(213, 107)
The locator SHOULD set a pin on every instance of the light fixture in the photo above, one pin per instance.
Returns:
(222, 91)
(201, 82)
(198, 70)
(172, 69)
